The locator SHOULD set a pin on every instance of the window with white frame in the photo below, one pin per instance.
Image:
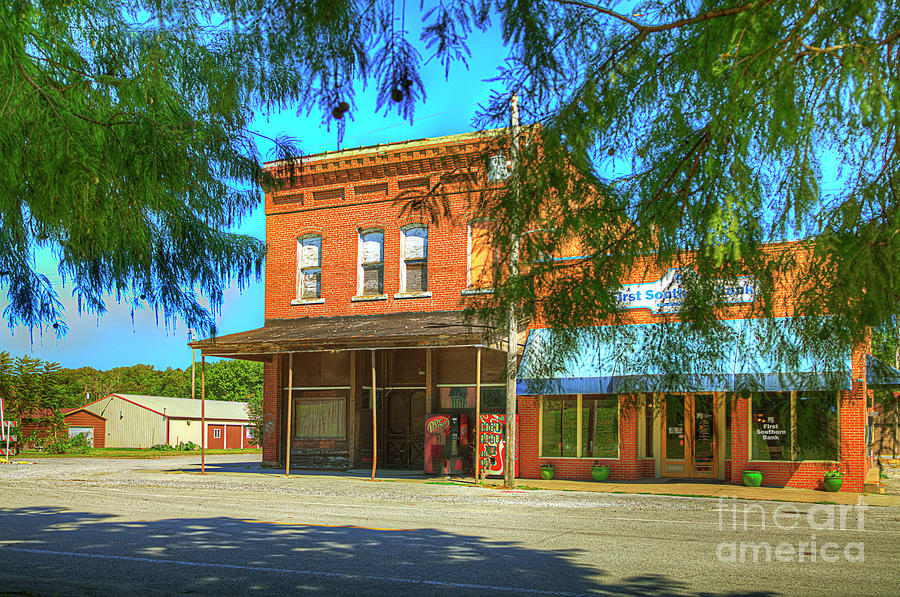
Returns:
(217, 434)
(414, 262)
(371, 262)
(309, 267)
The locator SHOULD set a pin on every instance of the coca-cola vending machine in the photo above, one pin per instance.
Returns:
(493, 445)
(446, 441)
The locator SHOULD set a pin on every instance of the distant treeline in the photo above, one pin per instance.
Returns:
(225, 380)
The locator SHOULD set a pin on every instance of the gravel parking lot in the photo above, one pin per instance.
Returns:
(243, 473)
(78, 526)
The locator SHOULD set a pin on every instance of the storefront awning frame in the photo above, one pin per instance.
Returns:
(758, 355)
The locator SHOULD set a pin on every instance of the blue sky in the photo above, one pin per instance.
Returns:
(113, 340)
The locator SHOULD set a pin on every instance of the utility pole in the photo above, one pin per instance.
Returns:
(896, 396)
(509, 469)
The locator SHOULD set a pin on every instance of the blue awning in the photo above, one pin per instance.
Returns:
(880, 375)
(743, 355)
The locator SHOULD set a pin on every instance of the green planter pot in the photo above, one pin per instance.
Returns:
(752, 478)
(600, 473)
(832, 483)
(547, 472)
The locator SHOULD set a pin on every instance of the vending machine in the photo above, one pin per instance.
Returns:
(493, 445)
(446, 444)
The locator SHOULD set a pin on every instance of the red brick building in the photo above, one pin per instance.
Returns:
(360, 295)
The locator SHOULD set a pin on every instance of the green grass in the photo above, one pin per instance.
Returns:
(131, 453)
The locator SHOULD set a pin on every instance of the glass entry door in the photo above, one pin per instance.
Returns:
(689, 436)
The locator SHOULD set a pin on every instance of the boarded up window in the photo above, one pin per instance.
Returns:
(330, 194)
(412, 183)
(415, 259)
(416, 277)
(309, 270)
(321, 418)
(380, 188)
(286, 198)
(481, 255)
(371, 262)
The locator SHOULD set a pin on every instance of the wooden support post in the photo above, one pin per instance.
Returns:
(478, 415)
(374, 421)
(290, 408)
(353, 419)
(429, 382)
(202, 413)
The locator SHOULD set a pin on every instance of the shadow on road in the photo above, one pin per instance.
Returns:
(56, 551)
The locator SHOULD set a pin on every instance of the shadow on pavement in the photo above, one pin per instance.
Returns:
(51, 551)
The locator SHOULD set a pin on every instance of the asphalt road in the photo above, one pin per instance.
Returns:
(134, 528)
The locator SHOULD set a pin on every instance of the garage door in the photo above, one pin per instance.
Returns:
(89, 431)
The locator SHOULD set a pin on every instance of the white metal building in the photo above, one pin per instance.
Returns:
(134, 421)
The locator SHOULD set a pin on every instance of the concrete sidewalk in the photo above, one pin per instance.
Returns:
(711, 490)
(647, 486)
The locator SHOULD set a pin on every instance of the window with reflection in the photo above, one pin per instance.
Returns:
(597, 427)
(813, 435)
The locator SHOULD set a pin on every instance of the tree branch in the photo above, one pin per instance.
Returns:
(713, 14)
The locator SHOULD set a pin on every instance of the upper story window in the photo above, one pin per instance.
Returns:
(309, 267)
(414, 262)
(498, 168)
(371, 262)
(481, 255)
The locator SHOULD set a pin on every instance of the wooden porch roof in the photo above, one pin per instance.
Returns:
(351, 332)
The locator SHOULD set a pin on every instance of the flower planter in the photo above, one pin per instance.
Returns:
(547, 472)
(600, 473)
(832, 483)
(752, 478)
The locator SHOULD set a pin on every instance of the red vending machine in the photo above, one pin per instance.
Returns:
(446, 440)
(493, 445)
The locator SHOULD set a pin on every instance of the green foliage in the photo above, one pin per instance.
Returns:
(257, 418)
(31, 392)
(226, 380)
(689, 134)
(671, 134)
(233, 380)
(77, 444)
(834, 474)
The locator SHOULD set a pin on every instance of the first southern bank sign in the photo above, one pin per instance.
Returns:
(666, 295)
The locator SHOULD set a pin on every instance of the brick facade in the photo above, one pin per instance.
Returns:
(336, 195)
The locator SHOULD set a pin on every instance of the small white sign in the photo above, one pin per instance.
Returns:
(667, 294)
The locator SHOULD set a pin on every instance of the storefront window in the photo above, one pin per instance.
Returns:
(814, 435)
(817, 426)
(319, 419)
(600, 427)
(559, 422)
(729, 404)
(599, 431)
(674, 427)
(648, 429)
